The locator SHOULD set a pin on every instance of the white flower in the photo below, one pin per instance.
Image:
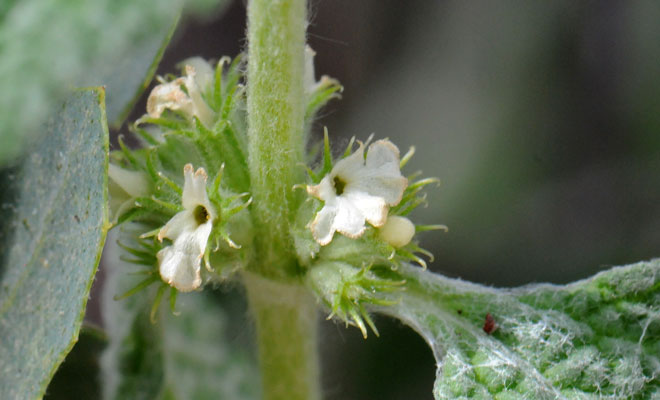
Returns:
(170, 95)
(203, 71)
(179, 264)
(123, 187)
(355, 191)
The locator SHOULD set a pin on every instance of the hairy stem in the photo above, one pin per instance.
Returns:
(284, 314)
(285, 317)
(276, 110)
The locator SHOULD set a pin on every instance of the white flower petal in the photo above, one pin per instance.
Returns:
(194, 190)
(381, 176)
(168, 96)
(322, 226)
(134, 183)
(202, 234)
(389, 188)
(311, 84)
(183, 221)
(383, 156)
(199, 107)
(325, 190)
(179, 264)
(372, 208)
(118, 209)
(180, 269)
(348, 221)
(347, 168)
(204, 73)
(123, 187)
(190, 194)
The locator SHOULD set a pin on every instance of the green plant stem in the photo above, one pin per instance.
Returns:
(286, 323)
(284, 314)
(276, 111)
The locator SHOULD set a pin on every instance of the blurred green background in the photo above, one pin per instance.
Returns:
(542, 120)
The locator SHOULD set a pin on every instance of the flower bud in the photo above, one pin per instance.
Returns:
(124, 186)
(397, 231)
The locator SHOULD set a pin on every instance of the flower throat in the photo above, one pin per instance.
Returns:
(339, 185)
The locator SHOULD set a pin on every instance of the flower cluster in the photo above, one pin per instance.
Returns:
(352, 227)
(365, 199)
(179, 221)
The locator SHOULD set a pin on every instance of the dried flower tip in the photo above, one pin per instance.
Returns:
(171, 96)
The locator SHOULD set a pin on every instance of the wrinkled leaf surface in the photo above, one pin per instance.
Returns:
(594, 339)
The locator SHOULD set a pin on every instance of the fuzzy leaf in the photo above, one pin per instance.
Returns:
(594, 339)
(78, 377)
(193, 355)
(47, 46)
(127, 78)
(54, 218)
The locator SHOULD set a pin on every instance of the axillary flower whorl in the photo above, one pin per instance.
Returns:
(349, 273)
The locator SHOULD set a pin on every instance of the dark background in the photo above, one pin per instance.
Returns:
(542, 119)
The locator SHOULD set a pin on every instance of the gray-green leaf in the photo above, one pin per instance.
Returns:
(131, 74)
(48, 46)
(594, 339)
(53, 224)
(79, 376)
(197, 354)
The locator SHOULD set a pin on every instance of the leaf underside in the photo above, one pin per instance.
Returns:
(127, 78)
(594, 339)
(53, 213)
(78, 377)
(48, 46)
